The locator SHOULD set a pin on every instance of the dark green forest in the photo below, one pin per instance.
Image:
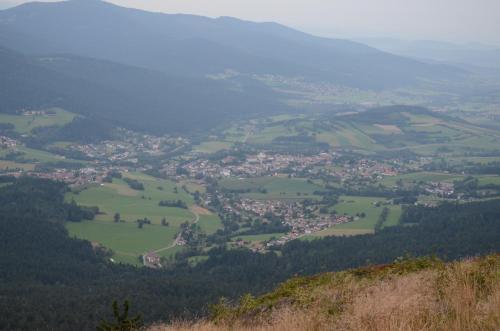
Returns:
(51, 281)
(125, 96)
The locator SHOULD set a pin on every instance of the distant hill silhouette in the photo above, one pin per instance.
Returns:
(194, 45)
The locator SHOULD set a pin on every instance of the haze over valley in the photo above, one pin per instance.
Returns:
(164, 171)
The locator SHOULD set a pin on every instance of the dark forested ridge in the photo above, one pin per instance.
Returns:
(132, 97)
(50, 281)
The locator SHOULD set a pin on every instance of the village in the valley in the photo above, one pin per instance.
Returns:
(298, 217)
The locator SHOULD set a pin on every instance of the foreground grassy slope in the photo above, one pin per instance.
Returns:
(421, 294)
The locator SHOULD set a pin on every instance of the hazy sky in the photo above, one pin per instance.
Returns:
(452, 20)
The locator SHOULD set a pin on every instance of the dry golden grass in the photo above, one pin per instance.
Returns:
(457, 296)
(200, 210)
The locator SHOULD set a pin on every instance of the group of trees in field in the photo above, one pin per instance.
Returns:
(173, 203)
(140, 222)
(381, 219)
(134, 184)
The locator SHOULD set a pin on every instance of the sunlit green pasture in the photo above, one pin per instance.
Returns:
(421, 176)
(272, 187)
(117, 197)
(11, 165)
(212, 146)
(259, 237)
(352, 205)
(24, 124)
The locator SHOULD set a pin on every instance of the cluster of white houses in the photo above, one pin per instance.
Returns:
(7, 143)
(253, 165)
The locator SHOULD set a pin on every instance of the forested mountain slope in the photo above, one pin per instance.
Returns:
(51, 281)
(129, 96)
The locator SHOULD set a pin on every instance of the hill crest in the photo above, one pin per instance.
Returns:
(196, 45)
(410, 294)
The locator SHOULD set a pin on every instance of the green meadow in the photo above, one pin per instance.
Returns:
(272, 188)
(209, 223)
(35, 156)
(421, 176)
(485, 180)
(425, 176)
(268, 133)
(347, 135)
(352, 205)
(338, 232)
(11, 165)
(423, 133)
(125, 238)
(24, 124)
(212, 146)
(259, 237)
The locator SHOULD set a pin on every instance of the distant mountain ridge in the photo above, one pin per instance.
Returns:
(156, 72)
(457, 54)
(194, 45)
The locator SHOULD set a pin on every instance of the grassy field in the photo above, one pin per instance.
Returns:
(259, 237)
(132, 204)
(24, 124)
(351, 205)
(36, 155)
(394, 216)
(192, 186)
(473, 159)
(285, 117)
(60, 144)
(10, 165)
(125, 238)
(43, 156)
(334, 231)
(437, 177)
(485, 180)
(212, 146)
(210, 223)
(276, 188)
(423, 133)
(347, 135)
(267, 133)
(421, 176)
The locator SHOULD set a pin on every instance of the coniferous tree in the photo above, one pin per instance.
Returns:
(122, 321)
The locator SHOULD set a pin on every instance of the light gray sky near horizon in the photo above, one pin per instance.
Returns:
(461, 21)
